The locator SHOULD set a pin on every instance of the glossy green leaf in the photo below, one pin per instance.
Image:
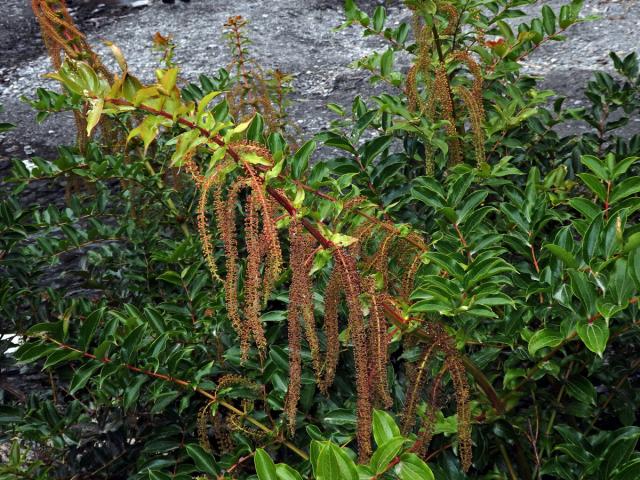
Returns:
(547, 337)
(412, 467)
(384, 427)
(594, 334)
(385, 453)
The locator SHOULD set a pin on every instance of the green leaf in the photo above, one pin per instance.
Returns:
(285, 472)
(265, 468)
(385, 453)
(88, 328)
(254, 132)
(386, 63)
(582, 390)
(412, 467)
(384, 427)
(332, 463)
(594, 184)
(592, 238)
(562, 254)
(379, 17)
(132, 391)
(594, 334)
(627, 187)
(620, 449)
(203, 460)
(547, 337)
(171, 277)
(628, 471)
(131, 343)
(82, 376)
(595, 165)
(30, 352)
(300, 161)
(548, 20)
(584, 290)
(60, 356)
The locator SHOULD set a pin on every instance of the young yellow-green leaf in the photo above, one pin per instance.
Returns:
(274, 171)
(93, 117)
(265, 468)
(203, 460)
(168, 78)
(118, 55)
(594, 334)
(253, 158)
(412, 467)
(384, 427)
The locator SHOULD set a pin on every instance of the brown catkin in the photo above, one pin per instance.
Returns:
(452, 14)
(476, 114)
(351, 283)
(443, 94)
(332, 296)
(378, 347)
(203, 226)
(226, 220)
(203, 427)
(299, 295)
(252, 274)
(417, 376)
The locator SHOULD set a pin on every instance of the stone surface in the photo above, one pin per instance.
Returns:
(294, 35)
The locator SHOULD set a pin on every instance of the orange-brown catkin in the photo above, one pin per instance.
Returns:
(417, 376)
(443, 342)
(378, 351)
(203, 225)
(332, 295)
(443, 94)
(476, 114)
(452, 14)
(300, 301)
(226, 219)
(351, 283)
(252, 274)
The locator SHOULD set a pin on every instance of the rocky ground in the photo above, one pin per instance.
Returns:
(294, 35)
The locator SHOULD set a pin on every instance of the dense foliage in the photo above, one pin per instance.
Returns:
(447, 289)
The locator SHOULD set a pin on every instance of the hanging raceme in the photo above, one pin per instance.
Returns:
(452, 17)
(378, 347)
(226, 221)
(440, 342)
(300, 309)
(252, 285)
(473, 101)
(332, 296)
(442, 92)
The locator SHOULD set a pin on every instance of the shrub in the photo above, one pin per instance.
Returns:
(451, 262)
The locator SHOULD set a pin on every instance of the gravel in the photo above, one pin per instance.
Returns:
(296, 36)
